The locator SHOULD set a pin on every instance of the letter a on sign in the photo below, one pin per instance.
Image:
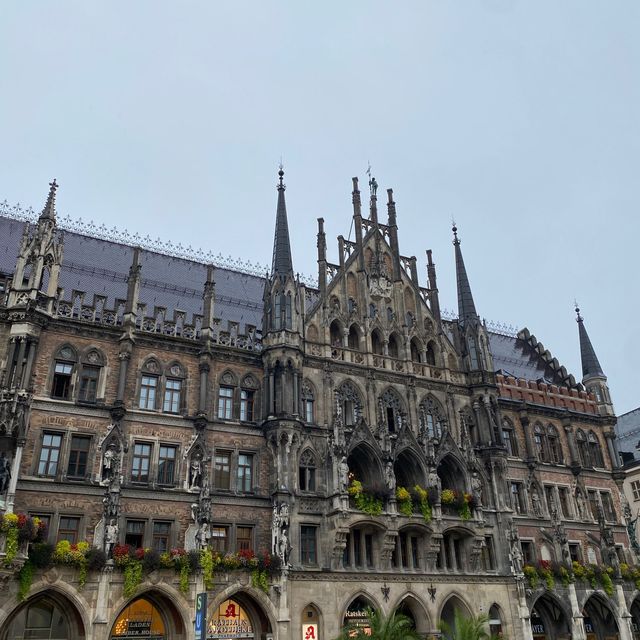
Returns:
(310, 632)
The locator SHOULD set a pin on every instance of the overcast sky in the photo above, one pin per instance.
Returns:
(519, 119)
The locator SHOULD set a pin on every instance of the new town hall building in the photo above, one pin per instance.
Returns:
(370, 452)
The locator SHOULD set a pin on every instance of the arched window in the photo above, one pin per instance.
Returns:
(173, 389)
(394, 347)
(348, 404)
(540, 442)
(63, 370)
(277, 314)
(92, 363)
(335, 334)
(354, 338)
(43, 618)
(248, 390)
(583, 452)
(431, 353)
(390, 315)
(509, 438)
(307, 402)
(288, 312)
(473, 351)
(495, 621)
(226, 391)
(376, 343)
(431, 418)
(149, 385)
(391, 410)
(555, 447)
(373, 311)
(307, 471)
(595, 451)
(415, 350)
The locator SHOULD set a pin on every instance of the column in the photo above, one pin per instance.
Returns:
(524, 421)
(122, 376)
(10, 355)
(577, 620)
(272, 397)
(204, 376)
(15, 471)
(610, 436)
(573, 451)
(20, 363)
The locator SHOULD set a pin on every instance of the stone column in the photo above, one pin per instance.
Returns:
(122, 375)
(577, 620)
(204, 377)
(612, 448)
(15, 471)
(20, 363)
(524, 421)
(573, 450)
(624, 618)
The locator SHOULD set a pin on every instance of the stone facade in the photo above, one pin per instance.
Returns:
(378, 454)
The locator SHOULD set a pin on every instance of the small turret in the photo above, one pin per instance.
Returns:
(593, 377)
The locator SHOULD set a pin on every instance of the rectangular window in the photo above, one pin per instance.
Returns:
(594, 505)
(246, 405)
(46, 518)
(244, 473)
(148, 386)
(607, 506)
(78, 456)
(219, 539)
(134, 533)
(222, 470)
(49, 454)
(243, 538)
(68, 529)
(509, 438)
(565, 509)
(172, 391)
(141, 462)
(307, 406)
(517, 498)
(308, 553)
(161, 536)
(225, 403)
(635, 487)
(528, 552)
(307, 478)
(574, 552)
(166, 464)
(89, 384)
(488, 556)
(61, 387)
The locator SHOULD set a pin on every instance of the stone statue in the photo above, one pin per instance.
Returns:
(5, 473)
(389, 477)
(275, 529)
(284, 515)
(343, 473)
(434, 481)
(476, 487)
(283, 547)
(110, 537)
(535, 502)
(582, 505)
(515, 552)
(195, 474)
(110, 463)
(202, 536)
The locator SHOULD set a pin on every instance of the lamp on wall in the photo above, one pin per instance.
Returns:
(385, 591)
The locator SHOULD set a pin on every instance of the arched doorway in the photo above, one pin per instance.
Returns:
(599, 619)
(310, 623)
(48, 615)
(356, 613)
(408, 470)
(495, 621)
(549, 619)
(454, 605)
(237, 617)
(150, 616)
(634, 610)
(411, 607)
(365, 467)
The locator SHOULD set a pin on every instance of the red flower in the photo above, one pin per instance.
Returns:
(139, 554)
(22, 520)
(74, 547)
(247, 554)
(121, 551)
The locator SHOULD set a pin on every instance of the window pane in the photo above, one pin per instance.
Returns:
(308, 545)
(172, 396)
(222, 470)
(246, 405)
(89, 384)
(148, 387)
(68, 529)
(62, 381)
(245, 464)
(243, 538)
(166, 464)
(161, 533)
(225, 403)
(78, 455)
(140, 464)
(49, 454)
(219, 539)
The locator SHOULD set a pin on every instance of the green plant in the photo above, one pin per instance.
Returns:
(364, 502)
(607, 583)
(260, 580)
(421, 501)
(380, 627)
(545, 571)
(132, 577)
(25, 578)
(208, 566)
(465, 628)
(405, 504)
(531, 574)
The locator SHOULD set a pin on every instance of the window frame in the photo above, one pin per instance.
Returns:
(225, 402)
(635, 490)
(247, 405)
(61, 533)
(218, 471)
(45, 447)
(247, 544)
(72, 450)
(173, 395)
(241, 478)
(163, 481)
(309, 545)
(68, 379)
(92, 396)
(166, 535)
(214, 538)
(146, 400)
(135, 477)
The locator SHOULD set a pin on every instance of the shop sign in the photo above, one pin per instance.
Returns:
(310, 632)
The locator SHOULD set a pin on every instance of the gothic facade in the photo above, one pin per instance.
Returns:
(297, 453)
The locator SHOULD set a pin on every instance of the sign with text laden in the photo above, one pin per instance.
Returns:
(201, 616)
(310, 632)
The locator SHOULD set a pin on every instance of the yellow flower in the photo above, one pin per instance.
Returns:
(402, 494)
(447, 496)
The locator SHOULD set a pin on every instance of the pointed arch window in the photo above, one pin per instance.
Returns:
(376, 343)
(307, 402)
(353, 339)
(288, 311)
(92, 364)
(172, 399)
(307, 471)
(431, 418)
(509, 438)
(349, 404)
(583, 451)
(473, 351)
(63, 370)
(555, 447)
(394, 348)
(277, 314)
(415, 351)
(431, 353)
(595, 451)
(540, 442)
(391, 410)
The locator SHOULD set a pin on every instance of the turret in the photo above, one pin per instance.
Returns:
(593, 378)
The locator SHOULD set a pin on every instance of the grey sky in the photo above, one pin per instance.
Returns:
(518, 118)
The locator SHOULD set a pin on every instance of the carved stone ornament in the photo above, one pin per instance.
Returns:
(380, 287)
(176, 370)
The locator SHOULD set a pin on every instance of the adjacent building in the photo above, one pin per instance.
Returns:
(317, 449)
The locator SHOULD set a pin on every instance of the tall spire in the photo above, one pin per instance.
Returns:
(282, 265)
(49, 211)
(590, 365)
(466, 306)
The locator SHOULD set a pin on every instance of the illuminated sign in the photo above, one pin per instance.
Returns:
(230, 620)
(309, 632)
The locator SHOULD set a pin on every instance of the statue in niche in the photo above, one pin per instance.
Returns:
(389, 477)
(476, 487)
(110, 463)
(434, 481)
(284, 547)
(203, 536)
(516, 555)
(195, 473)
(343, 473)
(5, 473)
(535, 502)
(582, 505)
(110, 537)
(279, 531)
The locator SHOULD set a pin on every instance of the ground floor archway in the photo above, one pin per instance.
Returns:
(599, 619)
(238, 616)
(549, 620)
(454, 605)
(411, 607)
(46, 615)
(152, 616)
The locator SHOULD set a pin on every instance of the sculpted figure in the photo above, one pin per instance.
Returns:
(110, 537)
(343, 472)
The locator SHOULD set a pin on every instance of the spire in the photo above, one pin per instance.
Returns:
(282, 264)
(590, 365)
(49, 211)
(466, 307)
